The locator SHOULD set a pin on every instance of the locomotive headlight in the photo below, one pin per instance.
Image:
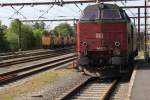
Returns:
(84, 43)
(117, 43)
(116, 52)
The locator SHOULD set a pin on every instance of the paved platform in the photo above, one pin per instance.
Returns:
(141, 85)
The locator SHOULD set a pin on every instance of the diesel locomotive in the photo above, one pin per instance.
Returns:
(106, 41)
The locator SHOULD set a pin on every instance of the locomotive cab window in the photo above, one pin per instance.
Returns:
(90, 13)
(111, 14)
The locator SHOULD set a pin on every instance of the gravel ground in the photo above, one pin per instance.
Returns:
(23, 86)
(26, 79)
(55, 89)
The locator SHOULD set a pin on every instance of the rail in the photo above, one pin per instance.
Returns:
(105, 91)
(30, 70)
(32, 58)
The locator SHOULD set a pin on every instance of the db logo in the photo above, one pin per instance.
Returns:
(99, 35)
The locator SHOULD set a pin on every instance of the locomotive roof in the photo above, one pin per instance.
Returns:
(103, 6)
(103, 12)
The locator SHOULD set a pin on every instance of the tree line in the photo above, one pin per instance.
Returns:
(28, 36)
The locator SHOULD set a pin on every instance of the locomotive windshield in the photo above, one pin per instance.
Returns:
(97, 13)
(110, 14)
(90, 13)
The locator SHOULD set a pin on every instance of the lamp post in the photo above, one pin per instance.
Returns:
(1, 32)
(19, 33)
(146, 54)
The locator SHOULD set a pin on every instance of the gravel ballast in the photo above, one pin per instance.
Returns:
(56, 88)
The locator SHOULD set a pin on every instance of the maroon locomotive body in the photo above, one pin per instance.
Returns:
(106, 40)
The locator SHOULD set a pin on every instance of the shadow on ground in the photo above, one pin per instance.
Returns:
(142, 65)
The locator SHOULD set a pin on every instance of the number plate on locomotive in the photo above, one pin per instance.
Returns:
(99, 35)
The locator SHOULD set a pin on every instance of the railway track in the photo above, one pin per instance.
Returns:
(33, 69)
(121, 92)
(91, 89)
(29, 53)
(32, 58)
(11, 55)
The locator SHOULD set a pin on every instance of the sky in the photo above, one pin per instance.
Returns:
(56, 12)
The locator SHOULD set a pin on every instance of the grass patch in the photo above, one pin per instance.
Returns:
(32, 85)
